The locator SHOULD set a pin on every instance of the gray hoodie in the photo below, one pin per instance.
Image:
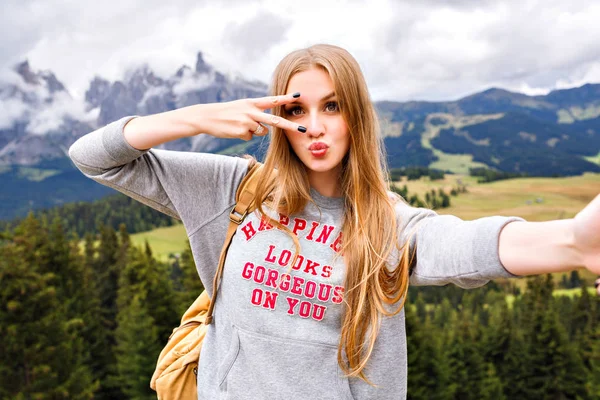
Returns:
(277, 326)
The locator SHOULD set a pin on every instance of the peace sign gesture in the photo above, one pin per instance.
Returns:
(245, 118)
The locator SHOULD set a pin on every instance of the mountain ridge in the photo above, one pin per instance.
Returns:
(142, 92)
(555, 134)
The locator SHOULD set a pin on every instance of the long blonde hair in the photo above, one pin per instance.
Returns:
(369, 222)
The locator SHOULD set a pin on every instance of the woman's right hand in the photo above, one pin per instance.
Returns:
(245, 118)
(237, 119)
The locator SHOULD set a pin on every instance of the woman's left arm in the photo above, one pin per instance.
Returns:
(533, 248)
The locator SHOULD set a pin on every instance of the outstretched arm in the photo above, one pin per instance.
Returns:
(532, 248)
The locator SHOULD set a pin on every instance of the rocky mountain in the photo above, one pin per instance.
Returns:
(45, 120)
(564, 105)
(40, 117)
(555, 134)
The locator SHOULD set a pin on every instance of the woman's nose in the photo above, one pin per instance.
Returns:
(315, 126)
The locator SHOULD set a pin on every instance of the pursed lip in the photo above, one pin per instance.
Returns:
(318, 146)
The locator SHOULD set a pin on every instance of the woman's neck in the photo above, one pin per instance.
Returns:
(327, 183)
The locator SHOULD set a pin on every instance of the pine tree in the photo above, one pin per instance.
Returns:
(43, 355)
(467, 366)
(106, 276)
(63, 262)
(445, 200)
(553, 366)
(497, 342)
(145, 281)
(582, 313)
(593, 384)
(574, 280)
(421, 308)
(515, 372)
(136, 351)
(190, 283)
(428, 371)
(583, 328)
(161, 299)
(443, 313)
(492, 387)
(565, 307)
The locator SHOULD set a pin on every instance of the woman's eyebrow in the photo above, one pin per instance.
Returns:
(330, 95)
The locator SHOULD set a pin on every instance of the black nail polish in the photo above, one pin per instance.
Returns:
(302, 129)
(296, 95)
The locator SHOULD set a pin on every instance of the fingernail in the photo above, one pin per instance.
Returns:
(296, 95)
(302, 129)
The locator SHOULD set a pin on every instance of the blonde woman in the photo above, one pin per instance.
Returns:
(311, 301)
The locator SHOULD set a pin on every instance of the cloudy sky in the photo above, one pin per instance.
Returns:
(408, 50)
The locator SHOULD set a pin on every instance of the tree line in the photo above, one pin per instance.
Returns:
(82, 217)
(413, 173)
(475, 345)
(89, 323)
(491, 175)
(434, 199)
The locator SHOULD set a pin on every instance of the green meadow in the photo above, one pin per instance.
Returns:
(163, 241)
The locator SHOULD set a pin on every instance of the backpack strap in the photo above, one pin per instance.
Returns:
(244, 205)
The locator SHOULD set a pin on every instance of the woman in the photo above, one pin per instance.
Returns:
(311, 301)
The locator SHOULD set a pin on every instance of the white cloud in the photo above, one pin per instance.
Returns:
(50, 117)
(585, 73)
(253, 38)
(190, 82)
(434, 50)
(154, 91)
(33, 102)
(10, 111)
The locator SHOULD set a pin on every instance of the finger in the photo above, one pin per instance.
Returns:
(274, 120)
(265, 103)
(261, 130)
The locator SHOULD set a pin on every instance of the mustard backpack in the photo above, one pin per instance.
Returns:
(176, 370)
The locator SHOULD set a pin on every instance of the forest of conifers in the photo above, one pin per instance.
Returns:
(88, 322)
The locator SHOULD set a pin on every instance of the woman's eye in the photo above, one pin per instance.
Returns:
(332, 106)
(292, 111)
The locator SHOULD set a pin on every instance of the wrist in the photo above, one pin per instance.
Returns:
(194, 119)
(573, 245)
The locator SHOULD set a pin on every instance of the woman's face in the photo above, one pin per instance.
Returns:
(327, 139)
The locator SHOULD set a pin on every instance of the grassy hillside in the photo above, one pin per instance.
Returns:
(457, 163)
(560, 197)
(163, 241)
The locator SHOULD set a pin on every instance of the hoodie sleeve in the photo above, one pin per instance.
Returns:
(192, 187)
(451, 250)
